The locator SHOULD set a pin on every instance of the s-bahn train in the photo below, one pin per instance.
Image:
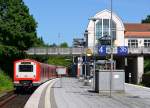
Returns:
(31, 73)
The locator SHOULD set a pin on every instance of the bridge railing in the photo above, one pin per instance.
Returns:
(146, 50)
(135, 50)
(139, 50)
(56, 51)
(80, 51)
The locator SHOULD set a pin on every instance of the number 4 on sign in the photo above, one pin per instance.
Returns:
(102, 50)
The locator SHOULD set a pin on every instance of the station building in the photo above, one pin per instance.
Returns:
(133, 35)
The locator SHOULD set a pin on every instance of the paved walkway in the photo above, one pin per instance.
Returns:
(73, 94)
(41, 97)
(135, 90)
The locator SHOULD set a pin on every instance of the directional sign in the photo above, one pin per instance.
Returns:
(122, 50)
(102, 50)
(89, 52)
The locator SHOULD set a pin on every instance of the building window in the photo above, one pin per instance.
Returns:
(133, 43)
(99, 29)
(147, 43)
(103, 28)
(106, 27)
(114, 30)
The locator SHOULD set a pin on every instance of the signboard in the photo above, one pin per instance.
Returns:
(61, 71)
(102, 50)
(89, 52)
(122, 50)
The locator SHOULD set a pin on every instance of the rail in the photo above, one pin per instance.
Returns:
(7, 97)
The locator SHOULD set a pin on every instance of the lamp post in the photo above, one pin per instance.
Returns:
(111, 59)
(111, 33)
(85, 63)
(94, 20)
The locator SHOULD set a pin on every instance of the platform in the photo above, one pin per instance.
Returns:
(71, 93)
(74, 94)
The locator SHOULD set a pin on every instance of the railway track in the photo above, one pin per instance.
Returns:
(12, 100)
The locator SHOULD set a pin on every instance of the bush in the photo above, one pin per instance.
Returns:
(146, 79)
(5, 82)
(8, 55)
(146, 64)
(59, 61)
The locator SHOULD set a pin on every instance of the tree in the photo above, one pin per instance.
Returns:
(17, 33)
(7, 57)
(146, 20)
(53, 45)
(39, 42)
(17, 26)
(64, 45)
(59, 60)
(147, 60)
(146, 65)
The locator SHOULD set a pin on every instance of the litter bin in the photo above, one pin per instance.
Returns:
(103, 78)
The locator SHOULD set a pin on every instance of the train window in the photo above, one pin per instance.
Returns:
(25, 68)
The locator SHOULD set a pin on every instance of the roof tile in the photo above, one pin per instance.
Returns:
(137, 30)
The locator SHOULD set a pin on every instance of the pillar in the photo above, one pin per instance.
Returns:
(140, 68)
(79, 68)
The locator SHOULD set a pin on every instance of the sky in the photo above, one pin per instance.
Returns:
(62, 20)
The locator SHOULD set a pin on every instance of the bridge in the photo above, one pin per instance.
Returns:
(80, 51)
(133, 62)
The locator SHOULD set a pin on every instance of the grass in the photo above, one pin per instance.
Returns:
(6, 83)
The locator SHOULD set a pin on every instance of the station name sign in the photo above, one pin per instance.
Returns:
(120, 50)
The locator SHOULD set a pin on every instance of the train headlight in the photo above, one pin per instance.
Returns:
(34, 76)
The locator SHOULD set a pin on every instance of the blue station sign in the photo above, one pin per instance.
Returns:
(102, 50)
(122, 50)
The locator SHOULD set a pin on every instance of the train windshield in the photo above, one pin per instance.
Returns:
(25, 68)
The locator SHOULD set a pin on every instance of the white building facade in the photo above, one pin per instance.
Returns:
(131, 35)
(102, 28)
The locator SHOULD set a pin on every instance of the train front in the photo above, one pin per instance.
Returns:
(26, 73)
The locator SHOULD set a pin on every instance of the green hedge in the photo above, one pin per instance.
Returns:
(146, 79)
(5, 82)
